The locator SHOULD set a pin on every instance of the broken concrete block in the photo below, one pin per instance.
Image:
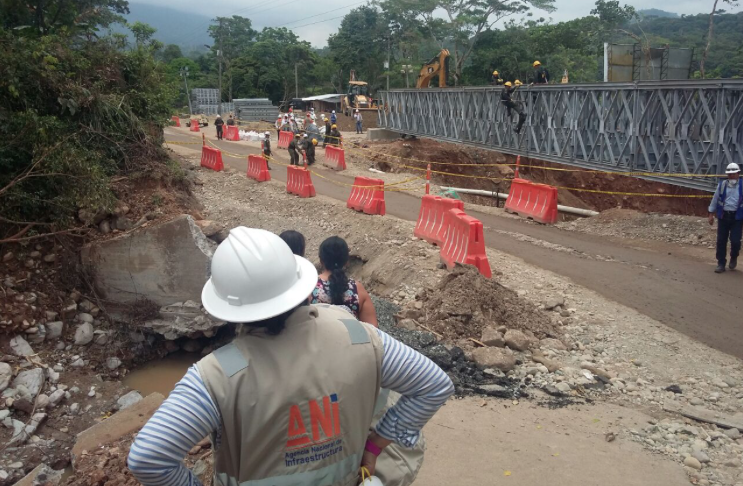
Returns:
(164, 263)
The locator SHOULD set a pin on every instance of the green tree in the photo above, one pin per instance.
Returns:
(170, 52)
(43, 17)
(463, 22)
(232, 35)
(143, 35)
(710, 32)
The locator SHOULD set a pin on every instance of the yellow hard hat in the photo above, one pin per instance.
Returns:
(314, 141)
(334, 126)
(507, 83)
(495, 73)
(536, 63)
(297, 135)
(517, 82)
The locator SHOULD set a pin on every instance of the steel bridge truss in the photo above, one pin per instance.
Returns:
(682, 130)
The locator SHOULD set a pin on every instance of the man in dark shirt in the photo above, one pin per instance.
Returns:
(507, 99)
(294, 150)
(266, 145)
(309, 151)
(230, 121)
(541, 75)
(496, 80)
(219, 124)
(328, 128)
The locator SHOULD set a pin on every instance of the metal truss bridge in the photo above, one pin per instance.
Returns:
(678, 132)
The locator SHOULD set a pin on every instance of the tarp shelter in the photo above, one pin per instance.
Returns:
(324, 103)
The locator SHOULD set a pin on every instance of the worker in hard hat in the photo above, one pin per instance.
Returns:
(290, 399)
(219, 123)
(328, 129)
(335, 136)
(266, 148)
(496, 80)
(294, 149)
(506, 97)
(727, 205)
(517, 83)
(541, 75)
(309, 151)
(333, 117)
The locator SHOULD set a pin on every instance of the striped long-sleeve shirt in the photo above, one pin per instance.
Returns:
(189, 414)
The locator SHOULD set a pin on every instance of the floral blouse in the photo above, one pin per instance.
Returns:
(321, 295)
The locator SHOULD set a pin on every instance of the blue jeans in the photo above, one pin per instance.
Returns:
(728, 229)
(358, 126)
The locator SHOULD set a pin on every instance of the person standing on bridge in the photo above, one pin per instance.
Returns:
(219, 123)
(727, 205)
(541, 75)
(496, 79)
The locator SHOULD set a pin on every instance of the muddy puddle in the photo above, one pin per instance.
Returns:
(161, 375)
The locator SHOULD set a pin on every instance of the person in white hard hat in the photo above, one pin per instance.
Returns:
(266, 147)
(291, 398)
(727, 205)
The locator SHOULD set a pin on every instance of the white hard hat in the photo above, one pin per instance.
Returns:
(372, 481)
(305, 135)
(732, 168)
(333, 111)
(256, 276)
(267, 134)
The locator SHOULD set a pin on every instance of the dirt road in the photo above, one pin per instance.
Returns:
(673, 286)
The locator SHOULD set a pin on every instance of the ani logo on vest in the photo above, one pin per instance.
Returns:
(322, 440)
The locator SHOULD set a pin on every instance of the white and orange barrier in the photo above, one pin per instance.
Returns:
(335, 158)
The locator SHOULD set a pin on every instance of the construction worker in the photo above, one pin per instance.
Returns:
(727, 205)
(328, 129)
(219, 123)
(294, 149)
(313, 117)
(506, 97)
(266, 147)
(230, 120)
(335, 136)
(309, 151)
(357, 117)
(290, 400)
(333, 117)
(496, 79)
(541, 75)
(312, 130)
(517, 83)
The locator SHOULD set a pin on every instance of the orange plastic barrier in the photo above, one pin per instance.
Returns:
(430, 224)
(367, 195)
(231, 132)
(211, 158)
(335, 158)
(534, 201)
(284, 139)
(464, 242)
(299, 181)
(176, 120)
(194, 125)
(258, 168)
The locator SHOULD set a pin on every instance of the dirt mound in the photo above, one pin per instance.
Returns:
(465, 302)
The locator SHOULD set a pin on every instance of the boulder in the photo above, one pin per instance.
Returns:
(128, 400)
(554, 344)
(408, 324)
(6, 374)
(491, 337)
(166, 263)
(183, 319)
(84, 334)
(208, 227)
(32, 380)
(20, 347)
(519, 340)
(54, 330)
(490, 357)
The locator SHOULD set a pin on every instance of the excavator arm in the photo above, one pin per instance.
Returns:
(437, 66)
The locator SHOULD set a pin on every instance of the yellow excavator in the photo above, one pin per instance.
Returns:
(357, 97)
(438, 66)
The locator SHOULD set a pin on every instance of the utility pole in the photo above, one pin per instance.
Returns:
(388, 64)
(296, 80)
(184, 73)
(219, 56)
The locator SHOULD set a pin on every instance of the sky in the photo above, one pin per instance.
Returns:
(316, 20)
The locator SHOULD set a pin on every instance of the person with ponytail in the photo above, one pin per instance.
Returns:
(336, 288)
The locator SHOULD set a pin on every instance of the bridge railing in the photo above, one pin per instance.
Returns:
(683, 131)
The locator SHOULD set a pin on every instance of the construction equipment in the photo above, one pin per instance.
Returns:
(438, 66)
(357, 97)
(203, 121)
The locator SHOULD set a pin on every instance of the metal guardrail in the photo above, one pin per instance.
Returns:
(690, 128)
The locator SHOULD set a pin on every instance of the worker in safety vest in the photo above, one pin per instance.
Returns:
(506, 97)
(496, 79)
(727, 205)
(294, 149)
(290, 400)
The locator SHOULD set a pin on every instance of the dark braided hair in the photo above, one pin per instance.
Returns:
(334, 256)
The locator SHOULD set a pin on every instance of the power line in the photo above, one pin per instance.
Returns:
(323, 13)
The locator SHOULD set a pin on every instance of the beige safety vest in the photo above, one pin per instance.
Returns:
(296, 407)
